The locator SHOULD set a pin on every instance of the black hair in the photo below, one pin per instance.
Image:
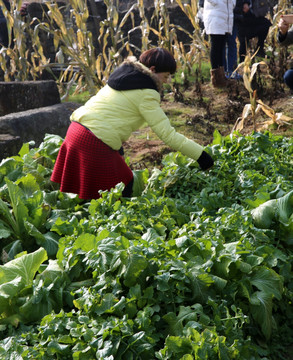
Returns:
(160, 58)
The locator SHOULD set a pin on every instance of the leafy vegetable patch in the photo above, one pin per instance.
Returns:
(196, 266)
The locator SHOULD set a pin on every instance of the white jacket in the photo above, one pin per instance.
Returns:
(218, 16)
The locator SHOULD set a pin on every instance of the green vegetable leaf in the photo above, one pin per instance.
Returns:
(140, 178)
(24, 267)
(177, 322)
(285, 208)
(20, 211)
(268, 281)
(7, 291)
(135, 264)
(264, 214)
(48, 241)
(261, 309)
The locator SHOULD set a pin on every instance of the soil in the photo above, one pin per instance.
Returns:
(200, 109)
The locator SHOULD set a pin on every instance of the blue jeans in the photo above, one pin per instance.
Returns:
(230, 54)
(288, 78)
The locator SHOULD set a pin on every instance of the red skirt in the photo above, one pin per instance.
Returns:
(86, 165)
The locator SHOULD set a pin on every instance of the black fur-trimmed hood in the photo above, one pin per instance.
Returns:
(132, 75)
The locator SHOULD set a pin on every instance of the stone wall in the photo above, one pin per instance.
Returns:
(24, 95)
(32, 125)
(28, 111)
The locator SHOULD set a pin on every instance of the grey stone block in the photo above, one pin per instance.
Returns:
(33, 125)
(16, 96)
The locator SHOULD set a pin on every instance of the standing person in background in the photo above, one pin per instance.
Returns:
(4, 39)
(285, 38)
(254, 24)
(230, 53)
(218, 22)
(90, 157)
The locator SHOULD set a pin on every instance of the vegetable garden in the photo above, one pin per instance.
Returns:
(196, 265)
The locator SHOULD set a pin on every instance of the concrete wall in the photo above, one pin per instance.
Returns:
(28, 111)
(24, 95)
(33, 125)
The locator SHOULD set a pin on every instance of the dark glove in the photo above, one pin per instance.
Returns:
(205, 161)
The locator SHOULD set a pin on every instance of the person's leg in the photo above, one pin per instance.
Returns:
(242, 38)
(261, 32)
(232, 51)
(288, 78)
(218, 78)
(217, 48)
(225, 54)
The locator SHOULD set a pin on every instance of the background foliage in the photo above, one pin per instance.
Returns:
(85, 68)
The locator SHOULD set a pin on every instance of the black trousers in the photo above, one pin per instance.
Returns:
(249, 31)
(218, 43)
